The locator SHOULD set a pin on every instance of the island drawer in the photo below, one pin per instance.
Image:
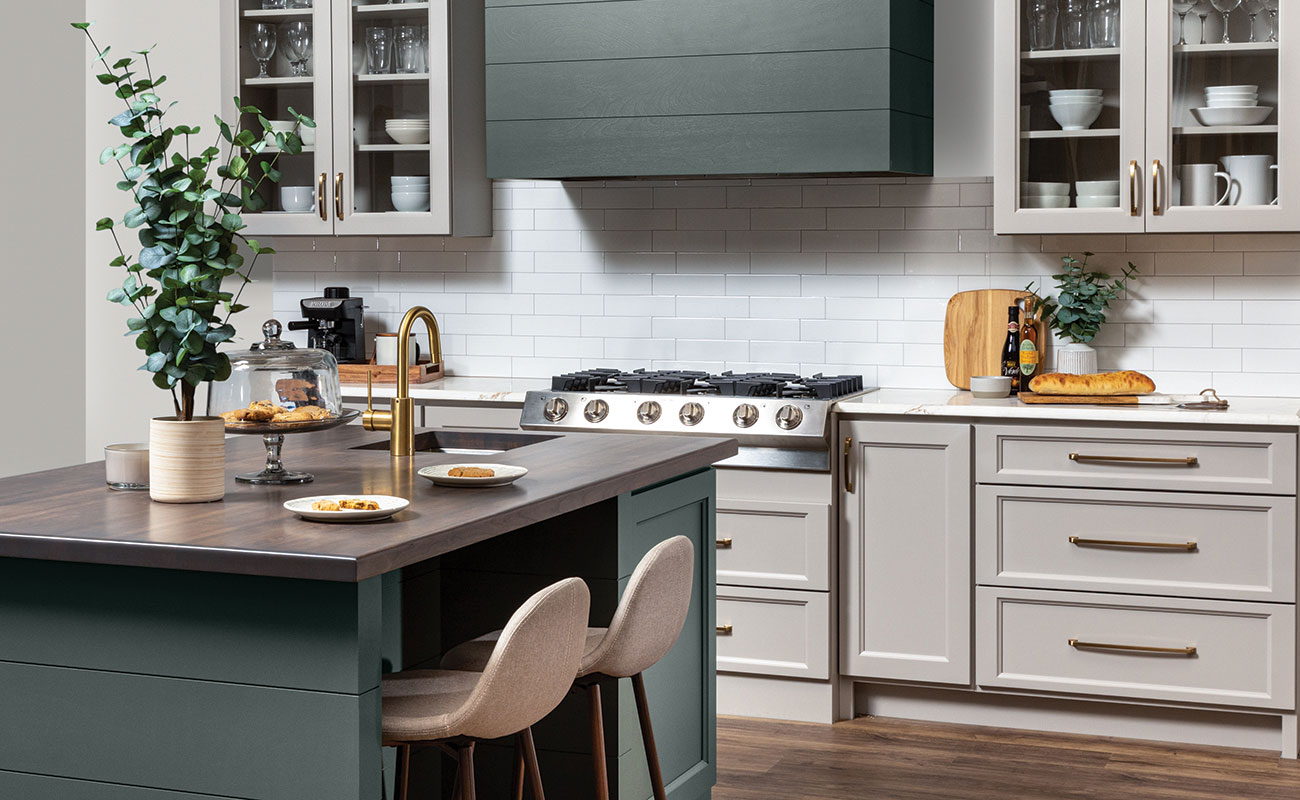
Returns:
(781, 545)
(1183, 459)
(1231, 547)
(774, 632)
(1195, 651)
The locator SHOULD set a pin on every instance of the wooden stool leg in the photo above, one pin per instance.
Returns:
(465, 766)
(402, 777)
(530, 760)
(598, 742)
(648, 737)
(517, 774)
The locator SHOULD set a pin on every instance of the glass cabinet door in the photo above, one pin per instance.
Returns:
(391, 173)
(283, 61)
(1222, 118)
(1071, 107)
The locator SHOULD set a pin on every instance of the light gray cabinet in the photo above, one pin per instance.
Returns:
(906, 557)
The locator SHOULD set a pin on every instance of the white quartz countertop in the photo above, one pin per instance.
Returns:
(455, 390)
(1276, 411)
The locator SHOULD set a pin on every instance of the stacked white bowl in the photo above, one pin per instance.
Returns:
(1075, 109)
(1232, 105)
(408, 131)
(411, 192)
(1036, 194)
(1096, 194)
(1242, 96)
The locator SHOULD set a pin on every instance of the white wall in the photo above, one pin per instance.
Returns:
(963, 87)
(41, 326)
(123, 400)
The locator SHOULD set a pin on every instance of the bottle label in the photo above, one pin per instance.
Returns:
(1028, 358)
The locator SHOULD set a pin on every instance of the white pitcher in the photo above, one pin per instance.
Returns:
(1252, 180)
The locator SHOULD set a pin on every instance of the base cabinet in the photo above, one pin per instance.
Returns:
(906, 561)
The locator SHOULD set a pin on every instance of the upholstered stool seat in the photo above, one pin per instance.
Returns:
(524, 677)
(645, 627)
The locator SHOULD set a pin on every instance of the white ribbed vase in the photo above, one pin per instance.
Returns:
(1076, 359)
(187, 460)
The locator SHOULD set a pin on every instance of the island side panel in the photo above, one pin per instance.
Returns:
(170, 683)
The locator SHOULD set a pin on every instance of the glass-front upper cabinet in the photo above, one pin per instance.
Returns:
(397, 92)
(278, 65)
(1123, 116)
(1221, 130)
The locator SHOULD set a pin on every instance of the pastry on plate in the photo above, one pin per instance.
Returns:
(325, 505)
(471, 472)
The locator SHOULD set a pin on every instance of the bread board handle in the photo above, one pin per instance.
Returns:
(1186, 461)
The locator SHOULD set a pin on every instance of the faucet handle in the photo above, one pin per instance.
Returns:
(371, 419)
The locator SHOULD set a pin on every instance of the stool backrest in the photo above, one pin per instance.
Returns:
(651, 613)
(533, 664)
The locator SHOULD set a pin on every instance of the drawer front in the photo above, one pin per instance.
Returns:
(1139, 542)
(774, 544)
(1244, 652)
(1137, 458)
(774, 632)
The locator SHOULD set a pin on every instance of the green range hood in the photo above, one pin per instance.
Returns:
(671, 88)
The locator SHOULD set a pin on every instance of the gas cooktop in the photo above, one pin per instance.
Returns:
(727, 384)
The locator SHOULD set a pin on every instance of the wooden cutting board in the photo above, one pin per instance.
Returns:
(974, 332)
(1078, 400)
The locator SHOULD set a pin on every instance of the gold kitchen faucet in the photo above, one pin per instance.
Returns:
(400, 418)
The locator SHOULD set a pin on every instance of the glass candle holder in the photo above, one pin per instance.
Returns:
(126, 466)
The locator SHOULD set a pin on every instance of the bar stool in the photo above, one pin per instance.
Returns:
(524, 677)
(645, 627)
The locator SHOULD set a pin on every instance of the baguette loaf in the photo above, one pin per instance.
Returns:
(1099, 384)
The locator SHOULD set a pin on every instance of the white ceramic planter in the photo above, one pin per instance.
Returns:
(1076, 359)
(187, 460)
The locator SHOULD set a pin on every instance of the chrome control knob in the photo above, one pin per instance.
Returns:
(596, 410)
(649, 412)
(555, 409)
(788, 417)
(745, 415)
(691, 414)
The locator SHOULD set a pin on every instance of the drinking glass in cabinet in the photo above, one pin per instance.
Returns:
(1043, 15)
(1225, 7)
(261, 41)
(407, 49)
(297, 41)
(299, 3)
(1182, 8)
(1103, 23)
(272, 4)
(1074, 25)
(1253, 9)
(1203, 9)
(379, 50)
(1271, 7)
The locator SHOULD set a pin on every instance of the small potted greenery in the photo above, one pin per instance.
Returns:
(179, 280)
(1079, 309)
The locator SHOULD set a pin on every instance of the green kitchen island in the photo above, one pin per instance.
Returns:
(233, 650)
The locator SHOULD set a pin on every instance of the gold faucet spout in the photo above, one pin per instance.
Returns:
(400, 421)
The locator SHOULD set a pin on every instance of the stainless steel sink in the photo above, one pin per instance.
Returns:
(467, 443)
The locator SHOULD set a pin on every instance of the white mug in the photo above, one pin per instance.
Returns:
(1198, 182)
(386, 350)
(1252, 180)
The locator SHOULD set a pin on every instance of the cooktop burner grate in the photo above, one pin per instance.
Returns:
(690, 382)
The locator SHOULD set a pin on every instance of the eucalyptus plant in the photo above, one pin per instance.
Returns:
(188, 223)
(1082, 299)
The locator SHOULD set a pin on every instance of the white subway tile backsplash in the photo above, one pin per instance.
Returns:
(804, 275)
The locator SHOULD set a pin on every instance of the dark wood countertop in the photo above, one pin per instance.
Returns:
(70, 515)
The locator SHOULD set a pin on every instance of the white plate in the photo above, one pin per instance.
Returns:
(505, 474)
(388, 506)
(1247, 115)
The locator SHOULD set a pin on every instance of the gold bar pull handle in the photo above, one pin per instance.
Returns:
(724, 630)
(725, 543)
(338, 196)
(1190, 650)
(1133, 209)
(320, 198)
(1155, 188)
(848, 464)
(1081, 542)
(1184, 461)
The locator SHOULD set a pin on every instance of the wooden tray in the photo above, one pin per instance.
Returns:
(1081, 400)
(422, 372)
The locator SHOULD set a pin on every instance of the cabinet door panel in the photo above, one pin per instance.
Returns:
(906, 540)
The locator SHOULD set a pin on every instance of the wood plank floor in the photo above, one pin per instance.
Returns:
(887, 759)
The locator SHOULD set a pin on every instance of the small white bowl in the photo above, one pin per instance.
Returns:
(1044, 189)
(1045, 202)
(1076, 116)
(409, 136)
(297, 199)
(408, 201)
(990, 387)
(410, 180)
(1247, 115)
(1097, 201)
(1097, 187)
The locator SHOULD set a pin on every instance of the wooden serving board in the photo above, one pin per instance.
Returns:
(422, 372)
(975, 330)
(1078, 399)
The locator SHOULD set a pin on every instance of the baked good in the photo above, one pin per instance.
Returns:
(301, 414)
(1105, 384)
(325, 505)
(257, 411)
(358, 505)
(471, 472)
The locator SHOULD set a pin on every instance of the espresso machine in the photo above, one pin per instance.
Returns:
(335, 323)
